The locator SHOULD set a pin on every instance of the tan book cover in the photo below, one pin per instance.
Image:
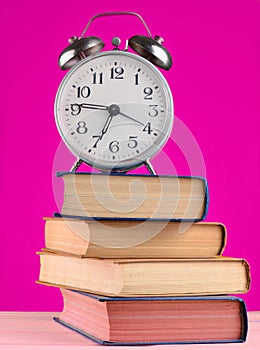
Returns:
(136, 277)
(131, 196)
(134, 239)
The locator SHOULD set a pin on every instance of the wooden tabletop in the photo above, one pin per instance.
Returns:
(37, 330)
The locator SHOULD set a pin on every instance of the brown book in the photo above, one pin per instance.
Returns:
(137, 277)
(134, 239)
(157, 320)
(134, 196)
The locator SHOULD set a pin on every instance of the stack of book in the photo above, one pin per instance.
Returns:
(136, 265)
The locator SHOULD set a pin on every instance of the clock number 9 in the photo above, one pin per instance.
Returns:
(75, 109)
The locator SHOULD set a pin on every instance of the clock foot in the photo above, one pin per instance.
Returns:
(76, 165)
(149, 166)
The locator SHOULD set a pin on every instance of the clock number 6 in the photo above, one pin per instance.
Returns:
(114, 146)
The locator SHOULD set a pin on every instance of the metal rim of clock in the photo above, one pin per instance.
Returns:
(148, 154)
(146, 46)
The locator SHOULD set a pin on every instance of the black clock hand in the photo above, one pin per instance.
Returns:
(103, 131)
(106, 126)
(93, 106)
(135, 120)
(76, 107)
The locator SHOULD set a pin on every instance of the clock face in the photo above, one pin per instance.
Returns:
(114, 110)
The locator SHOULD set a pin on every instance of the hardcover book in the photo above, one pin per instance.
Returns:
(134, 196)
(146, 277)
(157, 320)
(134, 238)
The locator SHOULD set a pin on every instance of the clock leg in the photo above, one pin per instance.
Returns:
(76, 165)
(149, 166)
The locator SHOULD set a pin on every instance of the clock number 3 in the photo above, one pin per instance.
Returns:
(154, 112)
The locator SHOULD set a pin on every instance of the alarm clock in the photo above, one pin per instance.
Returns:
(114, 109)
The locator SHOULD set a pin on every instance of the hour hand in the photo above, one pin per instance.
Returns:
(77, 107)
(93, 106)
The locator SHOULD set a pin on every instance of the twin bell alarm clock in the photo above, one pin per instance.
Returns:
(114, 109)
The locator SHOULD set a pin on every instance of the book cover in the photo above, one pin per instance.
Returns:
(127, 196)
(154, 320)
(134, 238)
(150, 277)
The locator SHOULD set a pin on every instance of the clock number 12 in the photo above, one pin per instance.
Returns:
(117, 73)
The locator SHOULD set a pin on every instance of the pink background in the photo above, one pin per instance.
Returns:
(215, 85)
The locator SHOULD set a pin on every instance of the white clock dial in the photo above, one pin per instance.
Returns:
(114, 110)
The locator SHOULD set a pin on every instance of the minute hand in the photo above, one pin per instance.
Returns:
(135, 120)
